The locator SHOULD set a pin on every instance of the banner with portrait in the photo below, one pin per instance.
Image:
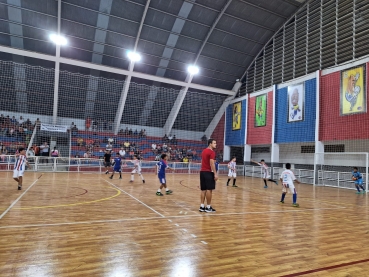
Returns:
(236, 116)
(260, 110)
(296, 102)
(353, 92)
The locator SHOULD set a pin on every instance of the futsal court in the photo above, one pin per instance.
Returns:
(78, 224)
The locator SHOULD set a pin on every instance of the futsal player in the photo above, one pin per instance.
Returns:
(107, 161)
(358, 178)
(19, 167)
(208, 176)
(232, 171)
(161, 167)
(117, 163)
(266, 173)
(136, 169)
(287, 178)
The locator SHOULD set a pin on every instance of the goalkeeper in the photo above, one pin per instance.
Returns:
(358, 178)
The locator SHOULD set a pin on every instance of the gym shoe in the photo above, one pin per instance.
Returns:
(282, 202)
(169, 192)
(295, 205)
(107, 172)
(358, 192)
(131, 181)
(19, 187)
(265, 187)
(202, 209)
(209, 210)
(143, 181)
(111, 177)
(364, 191)
(159, 194)
(235, 186)
(227, 185)
(120, 177)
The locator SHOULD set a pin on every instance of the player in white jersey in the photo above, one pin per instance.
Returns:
(232, 171)
(19, 167)
(136, 169)
(287, 179)
(265, 172)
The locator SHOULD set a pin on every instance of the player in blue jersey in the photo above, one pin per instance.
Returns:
(161, 167)
(117, 166)
(358, 178)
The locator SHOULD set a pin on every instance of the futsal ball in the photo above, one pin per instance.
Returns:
(353, 178)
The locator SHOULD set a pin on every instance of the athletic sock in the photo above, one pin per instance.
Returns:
(294, 198)
(132, 178)
(234, 182)
(208, 206)
(228, 182)
(283, 196)
(265, 182)
(358, 188)
(202, 205)
(166, 189)
(159, 190)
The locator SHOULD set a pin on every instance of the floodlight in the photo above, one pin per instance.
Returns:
(193, 69)
(59, 40)
(133, 56)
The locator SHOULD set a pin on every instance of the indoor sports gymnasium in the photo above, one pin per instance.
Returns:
(184, 138)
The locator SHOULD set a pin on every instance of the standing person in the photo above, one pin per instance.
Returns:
(287, 178)
(266, 173)
(19, 167)
(107, 161)
(232, 172)
(136, 169)
(55, 153)
(358, 178)
(117, 166)
(208, 176)
(161, 166)
(122, 153)
(44, 148)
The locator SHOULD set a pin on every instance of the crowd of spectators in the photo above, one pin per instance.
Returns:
(20, 129)
(136, 133)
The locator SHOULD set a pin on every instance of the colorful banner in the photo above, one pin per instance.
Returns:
(260, 110)
(296, 97)
(353, 92)
(236, 120)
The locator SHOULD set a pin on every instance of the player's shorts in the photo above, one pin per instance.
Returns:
(232, 174)
(17, 173)
(288, 187)
(136, 170)
(117, 169)
(266, 175)
(359, 181)
(107, 164)
(207, 181)
(162, 179)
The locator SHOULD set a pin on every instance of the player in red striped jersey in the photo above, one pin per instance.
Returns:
(20, 166)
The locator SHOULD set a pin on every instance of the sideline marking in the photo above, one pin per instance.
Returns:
(324, 268)
(20, 196)
(134, 198)
(204, 242)
(156, 218)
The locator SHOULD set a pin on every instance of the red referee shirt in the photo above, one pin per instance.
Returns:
(206, 155)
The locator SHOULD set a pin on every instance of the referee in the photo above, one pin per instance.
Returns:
(208, 176)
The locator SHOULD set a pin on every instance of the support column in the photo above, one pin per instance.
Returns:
(122, 101)
(57, 70)
(247, 153)
(226, 153)
(319, 145)
(274, 158)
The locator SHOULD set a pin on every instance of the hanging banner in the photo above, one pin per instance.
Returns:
(54, 128)
(296, 107)
(236, 121)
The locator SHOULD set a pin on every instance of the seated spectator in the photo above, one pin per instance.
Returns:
(109, 147)
(174, 140)
(185, 159)
(3, 153)
(13, 120)
(71, 126)
(89, 141)
(80, 142)
(31, 152)
(74, 130)
(165, 147)
(38, 123)
(87, 155)
(204, 138)
(130, 132)
(88, 123)
(94, 125)
(165, 138)
(126, 131)
(122, 153)
(126, 145)
(144, 133)
(135, 133)
(55, 153)
(21, 120)
(153, 146)
(170, 138)
(111, 140)
(121, 132)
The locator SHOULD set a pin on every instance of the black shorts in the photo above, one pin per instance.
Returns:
(107, 164)
(207, 181)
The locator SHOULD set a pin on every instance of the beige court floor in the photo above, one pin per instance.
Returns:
(75, 224)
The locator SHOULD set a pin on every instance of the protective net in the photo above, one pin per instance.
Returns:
(146, 120)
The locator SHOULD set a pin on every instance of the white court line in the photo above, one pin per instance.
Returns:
(156, 218)
(194, 236)
(134, 198)
(204, 242)
(20, 196)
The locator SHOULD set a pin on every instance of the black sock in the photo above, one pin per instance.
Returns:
(234, 182)
(228, 181)
(265, 182)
